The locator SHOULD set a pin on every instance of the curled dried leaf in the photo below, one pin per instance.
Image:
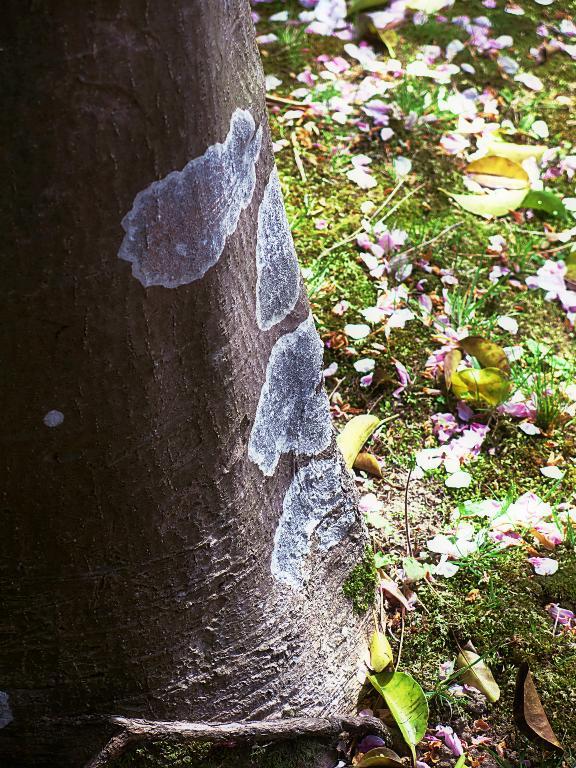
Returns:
(529, 713)
(367, 462)
(451, 363)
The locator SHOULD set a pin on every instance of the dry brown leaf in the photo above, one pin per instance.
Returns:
(529, 713)
(367, 462)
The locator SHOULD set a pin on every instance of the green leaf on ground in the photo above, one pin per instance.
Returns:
(407, 703)
(546, 202)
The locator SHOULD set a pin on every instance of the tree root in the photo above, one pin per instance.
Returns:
(141, 731)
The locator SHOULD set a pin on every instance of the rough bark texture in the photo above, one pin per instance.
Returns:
(138, 530)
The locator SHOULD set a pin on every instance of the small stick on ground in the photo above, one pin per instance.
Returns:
(298, 157)
(142, 731)
(406, 521)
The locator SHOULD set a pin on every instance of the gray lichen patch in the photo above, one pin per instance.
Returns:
(53, 418)
(315, 508)
(293, 413)
(177, 227)
(6, 716)
(278, 283)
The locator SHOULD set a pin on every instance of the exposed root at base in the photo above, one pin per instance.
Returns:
(139, 731)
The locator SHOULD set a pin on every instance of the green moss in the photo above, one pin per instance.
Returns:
(360, 586)
(305, 753)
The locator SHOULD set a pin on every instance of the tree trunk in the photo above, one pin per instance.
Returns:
(177, 523)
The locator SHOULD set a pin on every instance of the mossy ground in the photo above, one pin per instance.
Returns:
(496, 600)
(305, 753)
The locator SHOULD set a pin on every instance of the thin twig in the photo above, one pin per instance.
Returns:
(336, 388)
(142, 731)
(282, 100)
(406, 522)
(400, 259)
(399, 656)
(312, 290)
(298, 157)
(559, 248)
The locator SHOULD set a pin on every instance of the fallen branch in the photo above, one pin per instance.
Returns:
(141, 731)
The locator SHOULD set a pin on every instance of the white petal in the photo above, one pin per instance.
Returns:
(552, 472)
(460, 479)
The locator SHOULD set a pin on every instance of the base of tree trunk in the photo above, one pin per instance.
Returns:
(136, 731)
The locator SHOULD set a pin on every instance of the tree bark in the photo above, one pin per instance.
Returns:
(177, 522)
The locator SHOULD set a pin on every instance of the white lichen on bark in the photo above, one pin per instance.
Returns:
(293, 413)
(278, 283)
(177, 227)
(53, 418)
(6, 715)
(315, 508)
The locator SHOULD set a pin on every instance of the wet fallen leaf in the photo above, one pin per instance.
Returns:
(354, 435)
(486, 386)
(381, 655)
(488, 354)
(529, 713)
(367, 462)
(451, 363)
(515, 152)
(380, 756)
(477, 674)
(407, 703)
(497, 203)
(498, 173)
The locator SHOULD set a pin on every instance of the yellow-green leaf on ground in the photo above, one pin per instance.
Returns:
(570, 261)
(486, 386)
(477, 674)
(381, 757)
(407, 703)
(515, 152)
(354, 435)
(488, 353)
(426, 6)
(380, 652)
(389, 38)
(498, 173)
(497, 203)
(451, 363)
